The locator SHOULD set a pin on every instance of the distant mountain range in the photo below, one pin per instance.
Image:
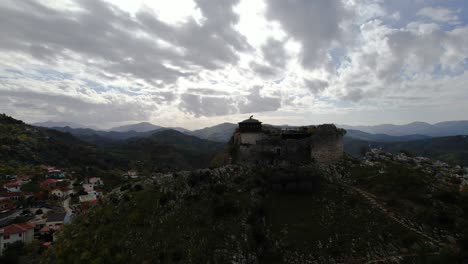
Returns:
(50, 124)
(161, 149)
(223, 132)
(357, 134)
(139, 127)
(442, 129)
(173, 148)
(220, 133)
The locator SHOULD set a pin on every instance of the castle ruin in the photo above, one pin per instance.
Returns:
(254, 143)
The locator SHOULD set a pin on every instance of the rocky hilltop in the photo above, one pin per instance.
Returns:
(372, 210)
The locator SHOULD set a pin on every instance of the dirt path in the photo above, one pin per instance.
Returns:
(373, 201)
(396, 258)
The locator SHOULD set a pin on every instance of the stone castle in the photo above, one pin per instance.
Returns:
(255, 143)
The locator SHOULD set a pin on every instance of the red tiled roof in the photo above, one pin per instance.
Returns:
(11, 184)
(10, 194)
(6, 201)
(6, 204)
(48, 181)
(16, 228)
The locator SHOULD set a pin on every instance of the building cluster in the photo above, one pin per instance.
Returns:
(131, 174)
(51, 200)
(93, 187)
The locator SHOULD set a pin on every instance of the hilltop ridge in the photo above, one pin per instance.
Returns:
(277, 214)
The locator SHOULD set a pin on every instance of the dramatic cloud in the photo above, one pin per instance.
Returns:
(102, 62)
(200, 105)
(263, 70)
(315, 86)
(274, 53)
(316, 24)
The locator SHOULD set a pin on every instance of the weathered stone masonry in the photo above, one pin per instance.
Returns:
(257, 144)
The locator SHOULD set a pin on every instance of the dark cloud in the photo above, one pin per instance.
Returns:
(105, 36)
(254, 102)
(202, 105)
(199, 105)
(264, 71)
(73, 108)
(212, 44)
(353, 95)
(316, 24)
(274, 53)
(315, 86)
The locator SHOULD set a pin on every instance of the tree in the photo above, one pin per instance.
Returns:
(12, 253)
(30, 187)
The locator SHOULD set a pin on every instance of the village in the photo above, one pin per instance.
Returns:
(36, 207)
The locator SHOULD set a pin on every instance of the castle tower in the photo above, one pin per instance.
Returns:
(250, 126)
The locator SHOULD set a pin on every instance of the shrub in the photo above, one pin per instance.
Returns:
(224, 207)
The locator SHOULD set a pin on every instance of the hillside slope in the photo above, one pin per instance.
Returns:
(95, 136)
(166, 150)
(24, 144)
(235, 214)
(220, 133)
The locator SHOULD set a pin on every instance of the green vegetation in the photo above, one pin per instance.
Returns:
(23, 148)
(167, 150)
(430, 200)
(22, 145)
(261, 215)
(280, 214)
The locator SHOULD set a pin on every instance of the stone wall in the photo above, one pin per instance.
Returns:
(250, 138)
(326, 150)
(324, 146)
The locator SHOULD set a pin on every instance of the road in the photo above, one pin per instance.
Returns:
(68, 210)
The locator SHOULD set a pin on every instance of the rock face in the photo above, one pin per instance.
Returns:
(271, 145)
(327, 149)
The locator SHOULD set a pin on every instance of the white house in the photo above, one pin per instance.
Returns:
(14, 186)
(95, 181)
(15, 232)
(88, 187)
(61, 192)
(132, 174)
(98, 193)
(87, 198)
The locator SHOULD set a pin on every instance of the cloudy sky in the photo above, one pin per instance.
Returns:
(198, 63)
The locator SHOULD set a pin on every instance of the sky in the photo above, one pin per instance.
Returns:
(198, 63)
